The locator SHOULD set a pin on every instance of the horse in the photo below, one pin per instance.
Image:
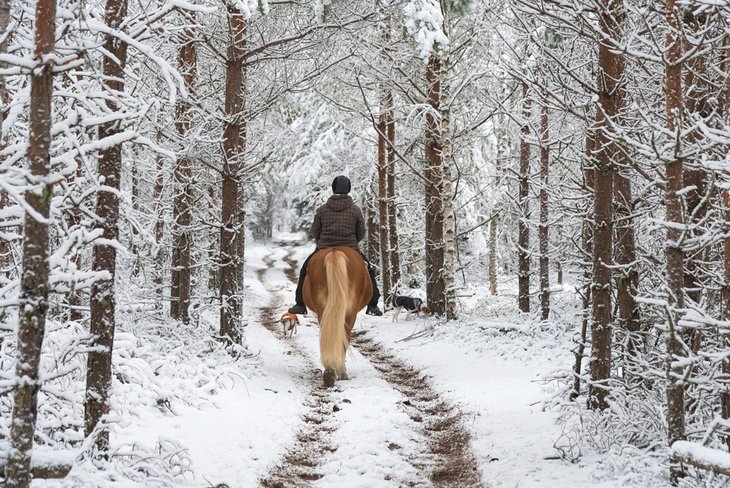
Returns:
(336, 288)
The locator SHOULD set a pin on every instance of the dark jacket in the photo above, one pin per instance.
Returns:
(339, 222)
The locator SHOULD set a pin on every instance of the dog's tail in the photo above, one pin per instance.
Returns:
(332, 338)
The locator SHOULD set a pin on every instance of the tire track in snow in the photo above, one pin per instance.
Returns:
(453, 462)
(298, 467)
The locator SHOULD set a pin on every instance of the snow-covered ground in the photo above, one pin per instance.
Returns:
(204, 418)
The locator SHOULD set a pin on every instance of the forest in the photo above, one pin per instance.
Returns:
(554, 166)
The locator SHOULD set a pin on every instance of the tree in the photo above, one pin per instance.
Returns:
(697, 90)
(34, 284)
(725, 395)
(586, 253)
(182, 208)
(543, 229)
(103, 299)
(449, 222)
(610, 70)
(435, 286)
(4, 100)
(394, 250)
(502, 154)
(386, 107)
(159, 231)
(234, 145)
(523, 202)
(675, 220)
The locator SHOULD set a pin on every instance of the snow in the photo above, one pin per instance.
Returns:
(702, 454)
(513, 434)
(185, 413)
(424, 21)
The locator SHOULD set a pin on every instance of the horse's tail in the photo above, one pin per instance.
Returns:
(332, 339)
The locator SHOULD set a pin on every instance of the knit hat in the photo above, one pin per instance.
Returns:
(341, 185)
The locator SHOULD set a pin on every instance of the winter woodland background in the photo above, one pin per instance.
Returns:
(495, 146)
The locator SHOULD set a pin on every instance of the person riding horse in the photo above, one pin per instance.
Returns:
(339, 222)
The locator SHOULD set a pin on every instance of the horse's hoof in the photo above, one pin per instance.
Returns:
(329, 377)
(343, 376)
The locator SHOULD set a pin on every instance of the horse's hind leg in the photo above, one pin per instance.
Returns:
(342, 373)
(329, 377)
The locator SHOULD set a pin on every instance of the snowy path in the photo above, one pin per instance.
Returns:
(385, 427)
(463, 401)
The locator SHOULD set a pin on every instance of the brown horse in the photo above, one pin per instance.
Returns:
(336, 288)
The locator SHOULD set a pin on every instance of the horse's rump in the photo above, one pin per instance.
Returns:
(336, 288)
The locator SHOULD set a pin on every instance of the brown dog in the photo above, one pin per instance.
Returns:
(289, 322)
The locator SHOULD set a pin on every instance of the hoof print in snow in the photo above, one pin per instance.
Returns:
(393, 446)
(345, 400)
(335, 408)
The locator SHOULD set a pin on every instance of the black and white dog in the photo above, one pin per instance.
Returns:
(412, 305)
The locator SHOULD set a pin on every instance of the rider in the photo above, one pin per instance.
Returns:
(339, 222)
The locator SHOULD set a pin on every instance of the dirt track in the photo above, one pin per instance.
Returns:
(446, 458)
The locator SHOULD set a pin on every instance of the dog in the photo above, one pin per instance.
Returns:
(412, 305)
(289, 322)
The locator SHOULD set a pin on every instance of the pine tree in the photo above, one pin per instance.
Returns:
(234, 145)
(674, 217)
(182, 207)
(34, 283)
(523, 202)
(103, 297)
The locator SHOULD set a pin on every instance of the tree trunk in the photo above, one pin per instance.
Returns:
(5, 247)
(373, 243)
(560, 254)
(449, 230)
(214, 274)
(695, 177)
(503, 150)
(627, 279)
(523, 202)
(698, 89)
(74, 216)
(393, 247)
(182, 207)
(492, 253)
(543, 230)
(73, 219)
(4, 95)
(234, 146)
(674, 217)
(725, 395)
(103, 301)
(33, 300)
(434, 203)
(387, 137)
(725, 337)
(385, 272)
(587, 253)
(159, 223)
(610, 98)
